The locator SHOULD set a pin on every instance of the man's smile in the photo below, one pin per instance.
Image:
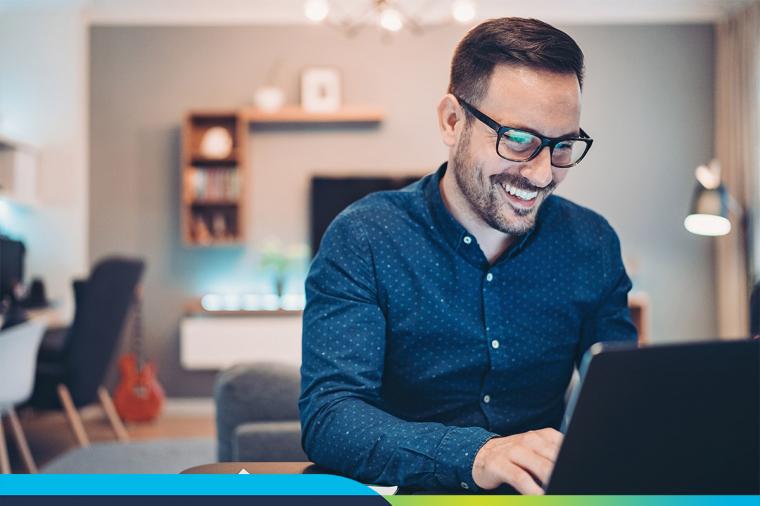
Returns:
(518, 197)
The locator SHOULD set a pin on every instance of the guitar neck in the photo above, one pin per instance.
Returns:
(137, 333)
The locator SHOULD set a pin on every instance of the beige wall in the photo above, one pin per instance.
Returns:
(43, 101)
(648, 104)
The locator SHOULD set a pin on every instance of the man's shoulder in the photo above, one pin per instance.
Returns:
(580, 221)
(385, 205)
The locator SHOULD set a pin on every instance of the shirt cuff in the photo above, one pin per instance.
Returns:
(455, 455)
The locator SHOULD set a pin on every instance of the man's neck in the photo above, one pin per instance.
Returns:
(492, 242)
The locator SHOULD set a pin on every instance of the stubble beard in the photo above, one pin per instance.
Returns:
(487, 200)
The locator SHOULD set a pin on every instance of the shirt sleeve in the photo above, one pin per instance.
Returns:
(344, 426)
(609, 320)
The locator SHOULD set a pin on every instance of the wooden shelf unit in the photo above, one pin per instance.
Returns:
(212, 206)
(292, 114)
(219, 219)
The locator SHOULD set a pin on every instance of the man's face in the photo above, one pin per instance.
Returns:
(507, 195)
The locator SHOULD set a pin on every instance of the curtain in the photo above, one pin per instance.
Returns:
(737, 99)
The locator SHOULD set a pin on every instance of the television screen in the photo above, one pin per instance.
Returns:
(330, 195)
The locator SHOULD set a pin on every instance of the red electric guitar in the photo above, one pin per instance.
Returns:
(139, 396)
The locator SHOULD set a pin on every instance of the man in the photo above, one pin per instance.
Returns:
(443, 321)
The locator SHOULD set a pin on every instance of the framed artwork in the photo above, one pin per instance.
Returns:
(320, 89)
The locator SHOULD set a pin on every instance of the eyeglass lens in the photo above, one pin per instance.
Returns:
(518, 145)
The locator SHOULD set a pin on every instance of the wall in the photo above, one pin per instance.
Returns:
(43, 101)
(648, 104)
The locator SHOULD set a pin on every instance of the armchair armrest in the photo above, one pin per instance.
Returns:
(268, 442)
(259, 392)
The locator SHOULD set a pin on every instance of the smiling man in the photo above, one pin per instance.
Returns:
(443, 321)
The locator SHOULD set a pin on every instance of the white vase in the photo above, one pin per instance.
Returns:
(269, 98)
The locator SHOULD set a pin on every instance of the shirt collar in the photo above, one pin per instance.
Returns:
(454, 233)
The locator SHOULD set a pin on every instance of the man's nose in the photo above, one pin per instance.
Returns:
(539, 170)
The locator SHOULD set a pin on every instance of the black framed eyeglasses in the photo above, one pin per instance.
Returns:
(517, 145)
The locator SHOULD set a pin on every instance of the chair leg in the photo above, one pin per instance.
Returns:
(5, 464)
(73, 416)
(113, 416)
(23, 446)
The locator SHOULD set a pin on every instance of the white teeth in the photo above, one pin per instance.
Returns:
(517, 192)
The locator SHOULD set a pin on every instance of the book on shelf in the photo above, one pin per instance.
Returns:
(214, 184)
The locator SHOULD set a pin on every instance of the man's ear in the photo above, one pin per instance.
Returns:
(450, 119)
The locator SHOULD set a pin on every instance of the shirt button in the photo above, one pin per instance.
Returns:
(486, 398)
(489, 277)
(464, 485)
(495, 344)
(467, 239)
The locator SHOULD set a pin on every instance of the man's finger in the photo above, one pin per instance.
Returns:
(551, 435)
(536, 464)
(542, 445)
(521, 480)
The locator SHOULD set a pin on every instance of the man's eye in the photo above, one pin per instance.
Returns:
(517, 144)
(519, 137)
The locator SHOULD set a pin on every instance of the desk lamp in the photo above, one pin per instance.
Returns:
(710, 204)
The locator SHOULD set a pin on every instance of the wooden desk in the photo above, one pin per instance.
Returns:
(256, 468)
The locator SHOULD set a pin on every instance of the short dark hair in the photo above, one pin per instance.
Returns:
(511, 41)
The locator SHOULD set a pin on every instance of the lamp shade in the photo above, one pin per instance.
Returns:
(709, 212)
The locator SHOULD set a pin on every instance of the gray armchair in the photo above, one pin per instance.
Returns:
(257, 414)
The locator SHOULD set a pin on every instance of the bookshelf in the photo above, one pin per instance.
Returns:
(213, 205)
(213, 176)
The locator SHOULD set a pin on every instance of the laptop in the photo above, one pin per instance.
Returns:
(664, 419)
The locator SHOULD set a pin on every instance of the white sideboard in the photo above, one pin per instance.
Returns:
(214, 342)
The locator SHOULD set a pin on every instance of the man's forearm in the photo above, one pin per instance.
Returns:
(353, 437)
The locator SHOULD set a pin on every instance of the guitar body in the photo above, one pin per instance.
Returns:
(138, 396)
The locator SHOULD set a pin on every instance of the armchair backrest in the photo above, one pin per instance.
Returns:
(102, 305)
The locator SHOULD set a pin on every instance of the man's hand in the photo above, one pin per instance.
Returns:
(523, 461)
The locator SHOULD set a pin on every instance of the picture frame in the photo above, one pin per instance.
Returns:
(320, 89)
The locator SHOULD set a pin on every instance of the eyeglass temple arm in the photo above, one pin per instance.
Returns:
(482, 117)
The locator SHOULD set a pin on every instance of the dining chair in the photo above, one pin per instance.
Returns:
(18, 358)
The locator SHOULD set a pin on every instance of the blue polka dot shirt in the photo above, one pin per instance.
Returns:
(416, 350)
